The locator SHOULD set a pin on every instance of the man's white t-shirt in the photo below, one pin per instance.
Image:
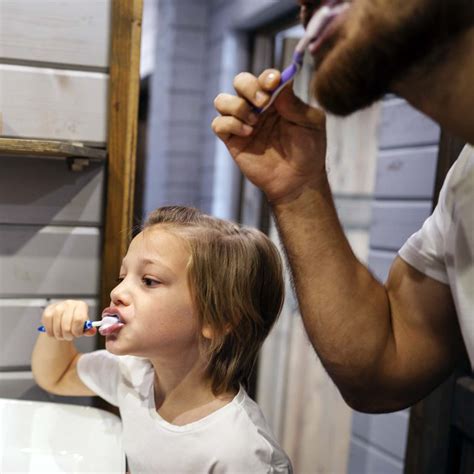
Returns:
(234, 439)
(443, 248)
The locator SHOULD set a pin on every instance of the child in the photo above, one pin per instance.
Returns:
(196, 298)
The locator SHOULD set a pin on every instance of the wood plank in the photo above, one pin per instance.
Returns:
(122, 137)
(380, 262)
(401, 125)
(56, 31)
(394, 221)
(366, 459)
(463, 413)
(53, 104)
(313, 410)
(352, 152)
(21, 385)
(467, 457)
(47, 192)
(49, 261)
(49, 148)
(386, 431)
(19, 319)
(408, 173)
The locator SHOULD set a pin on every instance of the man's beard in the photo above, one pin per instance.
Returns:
(360, 67)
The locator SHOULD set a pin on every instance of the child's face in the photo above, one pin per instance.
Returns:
(154, 299)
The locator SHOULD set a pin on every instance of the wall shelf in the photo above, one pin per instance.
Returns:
(51, 148)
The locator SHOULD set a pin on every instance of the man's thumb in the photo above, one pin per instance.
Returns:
(293, 109)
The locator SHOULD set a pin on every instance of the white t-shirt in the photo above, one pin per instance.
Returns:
(233, 439)
(443, 248)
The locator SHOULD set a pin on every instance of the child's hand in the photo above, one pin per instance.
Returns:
(65, 320)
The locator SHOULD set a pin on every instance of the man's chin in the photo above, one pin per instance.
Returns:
(345, 83)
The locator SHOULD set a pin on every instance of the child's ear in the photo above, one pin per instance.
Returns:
(209, 332)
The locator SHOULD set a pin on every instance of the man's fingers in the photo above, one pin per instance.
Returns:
(227, 104)
(226, 126)
(248, 86)
(269, 80)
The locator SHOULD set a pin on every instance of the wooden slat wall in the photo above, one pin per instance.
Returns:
(19, 318)
(54, 60)
(56, 31)
(54, 57)
(48, 193)
(53, 103)
(405, 176)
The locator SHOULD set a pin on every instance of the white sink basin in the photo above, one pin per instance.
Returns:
(52, 438)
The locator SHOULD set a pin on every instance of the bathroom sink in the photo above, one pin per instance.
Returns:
(51, 438)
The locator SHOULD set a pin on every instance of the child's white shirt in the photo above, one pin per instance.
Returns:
(233, 439)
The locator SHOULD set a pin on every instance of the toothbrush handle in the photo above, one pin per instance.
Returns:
(87, 325)
(286, 76)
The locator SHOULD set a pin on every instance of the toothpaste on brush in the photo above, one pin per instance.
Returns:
(107, 325)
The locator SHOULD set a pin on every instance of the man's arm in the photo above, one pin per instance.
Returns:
(384, 346)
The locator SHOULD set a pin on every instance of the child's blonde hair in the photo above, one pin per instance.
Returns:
(236, 280)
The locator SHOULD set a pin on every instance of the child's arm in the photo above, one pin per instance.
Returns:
(55, 357)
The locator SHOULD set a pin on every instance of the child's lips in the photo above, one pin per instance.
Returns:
(111, 323)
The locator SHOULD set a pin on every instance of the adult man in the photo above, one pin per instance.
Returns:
(385, 346)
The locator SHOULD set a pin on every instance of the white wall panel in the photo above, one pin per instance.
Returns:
(19, 320)
(366, 459)
(394, 221)
(21, 385)
(49, 261)
(407, 172)
(56, 31)
(34, 191)
(402, 125)
(380, 262)
(53, 104)
(386, 431)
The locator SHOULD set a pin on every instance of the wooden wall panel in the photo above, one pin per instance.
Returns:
(40, 191)
(56, 31)
(387, 431)
(53, 104)
(380, 262)
(367, 459)
(21, 385)
(407, 172)
(14, 384)
(394, 221)
(402, 125)
(19, 320)
(49, 261)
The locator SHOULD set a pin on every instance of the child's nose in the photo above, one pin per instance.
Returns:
(120, 295)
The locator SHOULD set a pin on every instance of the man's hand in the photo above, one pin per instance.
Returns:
(282, 150)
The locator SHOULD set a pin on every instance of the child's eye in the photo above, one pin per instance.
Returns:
(150, 282)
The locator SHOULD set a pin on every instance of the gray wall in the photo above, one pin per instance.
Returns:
(201, 46)
(50, 248)
(406, 166)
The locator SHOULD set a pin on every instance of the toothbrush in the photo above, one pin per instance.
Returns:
(106, 321)
(315, 28)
